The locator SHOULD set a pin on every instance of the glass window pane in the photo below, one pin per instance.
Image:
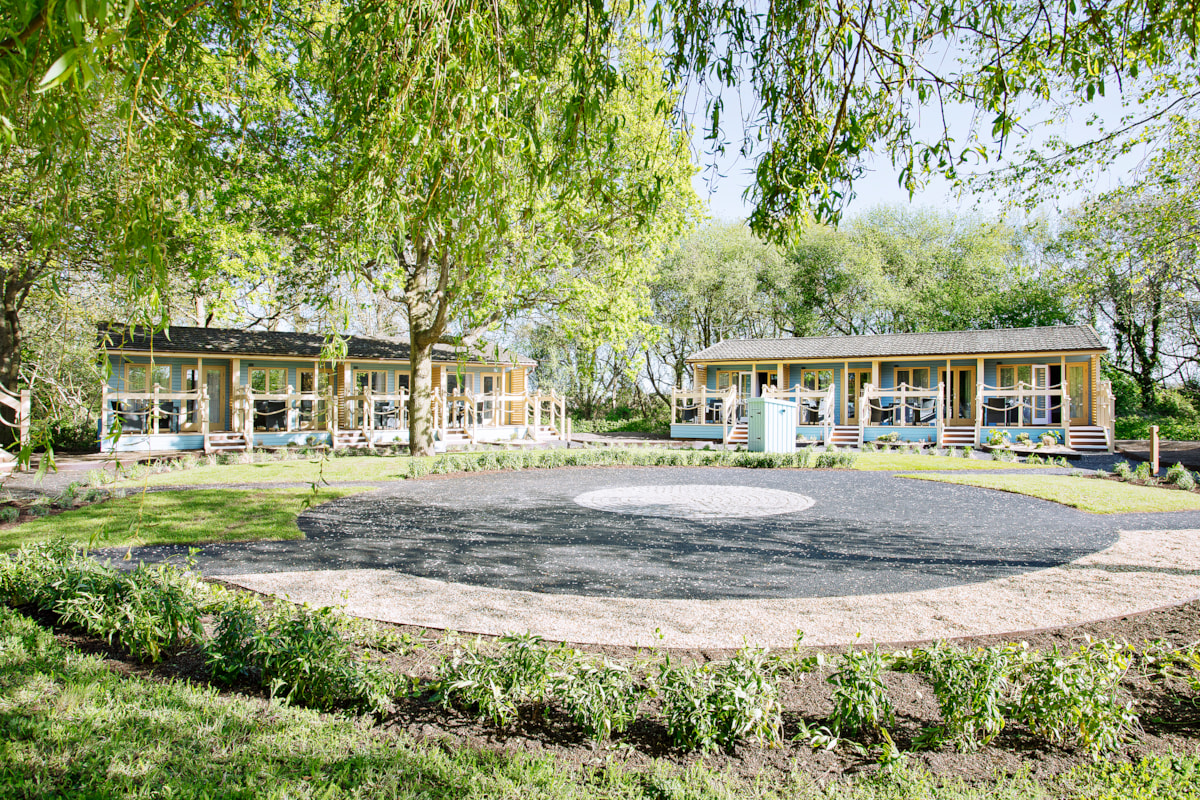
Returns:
(1008, 377)
(920, 376)
(401, 381)
(162, 376)
(278, 380)
(902, 376)
(135, 379)
(1025, 374)
(258, 380)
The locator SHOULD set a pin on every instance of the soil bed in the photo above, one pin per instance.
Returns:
(1169, 711)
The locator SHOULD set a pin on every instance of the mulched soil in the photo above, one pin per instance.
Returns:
(1170, 712)
(1186, 453)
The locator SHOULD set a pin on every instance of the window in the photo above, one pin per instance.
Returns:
(459, 384)
(914, 377)
(141, 377)
(401, 381)
(375, 379)
(1011, 374)
(272, 380)
(725, 379)
(816, 380)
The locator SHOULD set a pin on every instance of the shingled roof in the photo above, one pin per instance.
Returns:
(1059, 338)
(233, 342)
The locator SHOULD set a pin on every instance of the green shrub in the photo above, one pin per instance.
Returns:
(996, 438)
(1101, 473)
(1179, 475)
(843, 460)
(145, 611)
(305, 658)
(1034, 458)
(1142, 473)
(1122, 470)
(67, 497)
(1023, 439)
(860, 701)
(1170, 429)
(9, 514)
(599, 696)
(231, 653)
(496, 684)
(721, 703)
(972, 688)
(1175, 404)
(1075, 698)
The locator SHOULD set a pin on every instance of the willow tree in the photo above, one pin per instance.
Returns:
(483, 176)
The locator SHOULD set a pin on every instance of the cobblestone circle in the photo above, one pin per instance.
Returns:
(697, 502)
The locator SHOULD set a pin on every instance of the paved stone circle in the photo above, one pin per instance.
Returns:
(695, 501)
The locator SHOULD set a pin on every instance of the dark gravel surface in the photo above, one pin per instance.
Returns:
(866, 533)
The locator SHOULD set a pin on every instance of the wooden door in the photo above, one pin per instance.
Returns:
(959, 386)
(1078, 392)
(855, 380)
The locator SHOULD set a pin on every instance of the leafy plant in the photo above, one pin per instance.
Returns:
(231, 654)
(9, 514)
(146, 611)
(718, 704)
(1178, 475)
(1142, 473)
(997, 438)
(598, 695)
(303, 655)
(1075, 698)
(860, 701)
(496, 685)
(1034, 458)
(1023, 439)
(972, 688)
(1122, 470)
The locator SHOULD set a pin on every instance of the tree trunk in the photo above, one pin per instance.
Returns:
(420, 401)
(15, 291)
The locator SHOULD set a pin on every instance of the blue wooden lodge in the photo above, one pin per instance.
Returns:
(949, 389)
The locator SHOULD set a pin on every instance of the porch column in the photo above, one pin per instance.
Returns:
(876, 368)
(979, 384)
(1064, 400)
(845, 404)
(235, 381)
(202, 401)
(946, 411)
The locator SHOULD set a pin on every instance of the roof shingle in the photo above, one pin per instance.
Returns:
(230, 341)
(1056, 338)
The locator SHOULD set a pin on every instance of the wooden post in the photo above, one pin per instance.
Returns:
(291, 413)
(154, 410)
(1154, 450)
(26, 412)
(202, 408)
(103, 415)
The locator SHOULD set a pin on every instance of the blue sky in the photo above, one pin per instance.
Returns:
(881, 187)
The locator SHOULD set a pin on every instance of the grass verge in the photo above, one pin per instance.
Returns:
(73, 727)
(1086, 494)
(912, 462)
(388, 468)
(184, 517)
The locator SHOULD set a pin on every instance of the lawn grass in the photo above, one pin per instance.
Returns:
(350, 468)
(75, 728)
(390, 468)
(913, 462)
(184, 517)
(1086, 494)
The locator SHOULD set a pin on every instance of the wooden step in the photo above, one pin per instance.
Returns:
(740, 434)
(844, 434)
(958, 436)
(1088, 437)
(225, 442)
(354, 438)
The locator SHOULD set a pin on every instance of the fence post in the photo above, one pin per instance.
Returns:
(202, 409)
(1154, 450)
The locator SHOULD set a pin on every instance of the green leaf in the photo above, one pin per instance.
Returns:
(59, 71)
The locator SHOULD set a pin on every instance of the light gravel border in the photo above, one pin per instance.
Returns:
(1142, 571)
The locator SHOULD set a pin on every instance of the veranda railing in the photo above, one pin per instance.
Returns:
(1022, 406)
(15, 412)
(902, 406)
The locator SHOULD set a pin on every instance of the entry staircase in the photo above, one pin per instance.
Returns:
(226, 442)
(1088, 439)
(740, 435)
(958, 436)
(844, 436)
(351, 437)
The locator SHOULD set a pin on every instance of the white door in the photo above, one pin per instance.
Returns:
(1041, 402)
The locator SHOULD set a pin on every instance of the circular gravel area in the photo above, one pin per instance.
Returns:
(694, 501)
(864, 533)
